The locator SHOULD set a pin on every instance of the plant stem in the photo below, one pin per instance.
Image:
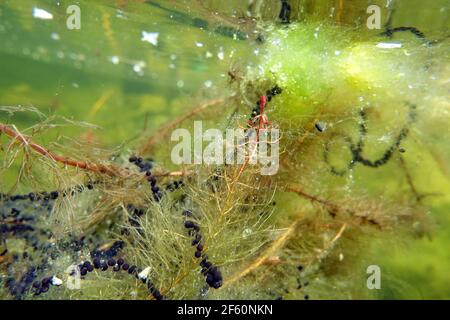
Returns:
(11, 132)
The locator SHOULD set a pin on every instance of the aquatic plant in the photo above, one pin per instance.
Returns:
(362, 129)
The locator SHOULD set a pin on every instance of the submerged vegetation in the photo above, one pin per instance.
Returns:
(363, 165)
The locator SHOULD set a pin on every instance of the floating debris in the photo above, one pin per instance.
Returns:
(150, 37)
(388, 45)
(56, 281)
(115, 59)
(144, 273)
(55, 36)
(321, 126)
(42, 14)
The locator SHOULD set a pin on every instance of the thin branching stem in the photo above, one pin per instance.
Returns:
(276, 245)
(174, 124)
(16, 135)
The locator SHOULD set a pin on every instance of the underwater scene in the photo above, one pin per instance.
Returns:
(224, 150)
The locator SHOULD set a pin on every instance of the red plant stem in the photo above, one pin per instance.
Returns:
(262, 104)
(47, 153)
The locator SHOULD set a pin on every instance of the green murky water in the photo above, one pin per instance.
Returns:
(108, 67)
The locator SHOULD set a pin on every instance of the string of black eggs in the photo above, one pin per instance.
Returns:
(213, 275)
(43, 286)
(357, 149)
(47, 195)
(146, 166)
